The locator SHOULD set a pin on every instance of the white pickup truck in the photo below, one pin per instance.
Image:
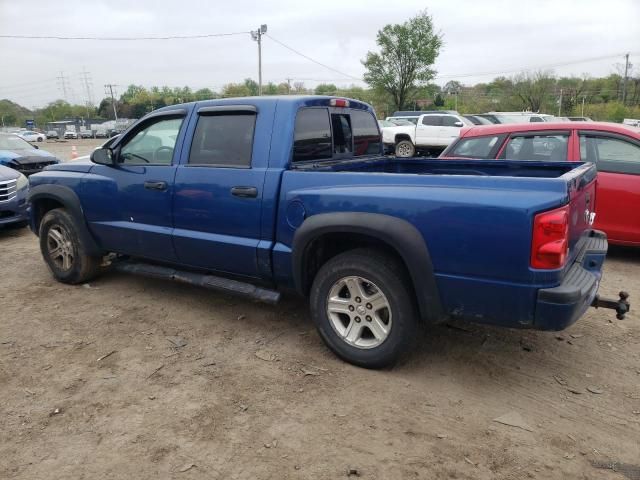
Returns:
(433, 132)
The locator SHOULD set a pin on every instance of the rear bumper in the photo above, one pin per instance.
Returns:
(561, 306)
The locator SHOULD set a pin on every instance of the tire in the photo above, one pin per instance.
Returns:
(368, 334)
(59, 234)
(40, 139)
(405, 149)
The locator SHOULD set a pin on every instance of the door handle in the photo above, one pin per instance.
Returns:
(244, 192)
(155, 185)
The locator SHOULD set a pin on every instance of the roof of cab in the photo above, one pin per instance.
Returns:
(290, 100)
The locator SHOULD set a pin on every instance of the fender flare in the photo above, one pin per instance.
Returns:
(399, 234)
(68, 198)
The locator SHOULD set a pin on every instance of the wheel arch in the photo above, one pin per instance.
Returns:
(323, 236)
(403, 136)
(44, 198)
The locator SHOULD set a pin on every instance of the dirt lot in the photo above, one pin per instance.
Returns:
(92, 387)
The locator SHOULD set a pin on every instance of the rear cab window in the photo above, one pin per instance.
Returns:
(432, 120)
(325, 134)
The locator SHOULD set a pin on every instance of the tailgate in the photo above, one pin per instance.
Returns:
(581, 183)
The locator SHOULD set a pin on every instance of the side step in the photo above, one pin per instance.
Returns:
(212, 282)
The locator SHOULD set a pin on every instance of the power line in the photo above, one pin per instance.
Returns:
(311, 59)
(124, 39)
(551, 65)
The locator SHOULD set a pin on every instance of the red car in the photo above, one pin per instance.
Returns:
(614, 148)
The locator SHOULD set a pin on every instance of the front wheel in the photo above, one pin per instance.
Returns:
(63, 251)
(405, 149)
(363, 309)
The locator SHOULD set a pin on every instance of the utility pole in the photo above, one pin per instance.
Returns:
(560, 104)
(113, 100)
(288, 85)
(256, 35)
(63, 85)
(582, 111)
(624, 81)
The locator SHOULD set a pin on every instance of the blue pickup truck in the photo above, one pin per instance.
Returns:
(261, 195)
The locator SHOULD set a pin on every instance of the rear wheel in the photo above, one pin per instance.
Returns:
(63, 251)
(363, 309)
(405, 149)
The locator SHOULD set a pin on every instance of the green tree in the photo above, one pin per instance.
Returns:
(533, 89)
(407, 54)
(326, 89)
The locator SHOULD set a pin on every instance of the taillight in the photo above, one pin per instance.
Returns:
(550, 242)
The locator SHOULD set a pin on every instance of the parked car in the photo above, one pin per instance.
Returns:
(433, 132)
(86, 134)
(518, 117)
(395, 120)
(70, 134)
(478, 120)
(31, 136)
(259, 195)
(22, 156)
(52, 134)
(580, 119)
(13, 197)
(613, 148)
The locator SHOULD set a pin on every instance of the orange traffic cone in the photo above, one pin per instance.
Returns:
(74, 152)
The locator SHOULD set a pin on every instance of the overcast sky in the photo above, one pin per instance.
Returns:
(481, 39)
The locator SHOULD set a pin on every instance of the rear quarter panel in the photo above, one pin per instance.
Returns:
(477, 230)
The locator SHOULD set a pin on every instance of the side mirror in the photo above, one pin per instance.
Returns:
(102, 156)
(459, 124)
(36, 147)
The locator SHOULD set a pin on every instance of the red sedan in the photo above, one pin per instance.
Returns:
(614, 148)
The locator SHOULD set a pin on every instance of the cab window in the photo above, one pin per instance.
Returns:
(610, 154)
(538, 147)
(322, 135)
(432, 120)
(476, 147)
(223, 140)
(152, 144)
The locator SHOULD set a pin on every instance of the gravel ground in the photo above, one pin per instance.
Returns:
(62, 148)
(133, 378)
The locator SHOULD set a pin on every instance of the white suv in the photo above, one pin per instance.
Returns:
(432, 133)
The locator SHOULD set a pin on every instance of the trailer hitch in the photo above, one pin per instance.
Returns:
(621, 306)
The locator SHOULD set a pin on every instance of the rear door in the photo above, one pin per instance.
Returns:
(450, 129)
(618, 200)
(427, 130)
(218, 189)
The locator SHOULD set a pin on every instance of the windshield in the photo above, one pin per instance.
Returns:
(14, 142)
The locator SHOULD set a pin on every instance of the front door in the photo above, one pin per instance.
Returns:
(218, 191)
(130, 202)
